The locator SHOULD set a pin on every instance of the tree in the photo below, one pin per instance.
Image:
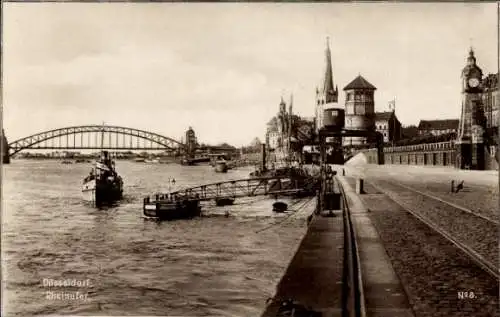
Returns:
(225, 145)
(410, 132)
(256, 143)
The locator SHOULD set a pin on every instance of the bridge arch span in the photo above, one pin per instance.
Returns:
(35, 139)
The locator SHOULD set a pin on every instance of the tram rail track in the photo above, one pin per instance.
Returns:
(334, 285)
(487, 265)
(464, 209)
(353, 292)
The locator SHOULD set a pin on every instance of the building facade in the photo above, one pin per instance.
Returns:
(279, 131)
(272, 135)
(359, 109)
(388, 125)
(438, 127)
(491, 101)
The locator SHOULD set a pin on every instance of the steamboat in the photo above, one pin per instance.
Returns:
(103, 184)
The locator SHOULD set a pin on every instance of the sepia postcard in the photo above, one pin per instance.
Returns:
(250, 159)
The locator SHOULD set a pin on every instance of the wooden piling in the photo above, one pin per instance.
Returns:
(359, 186)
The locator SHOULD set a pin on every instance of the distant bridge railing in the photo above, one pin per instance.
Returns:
(39, 140)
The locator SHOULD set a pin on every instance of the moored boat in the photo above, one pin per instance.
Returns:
(171, 208)
(221, 166)
(186, 161)
(103, 184)
(280, 207)
(224, 201)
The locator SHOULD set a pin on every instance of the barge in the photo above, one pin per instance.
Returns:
(166, 207)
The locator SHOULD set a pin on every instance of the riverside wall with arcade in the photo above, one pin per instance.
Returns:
(430, 154)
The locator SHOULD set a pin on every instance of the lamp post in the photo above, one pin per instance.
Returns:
(392, 104)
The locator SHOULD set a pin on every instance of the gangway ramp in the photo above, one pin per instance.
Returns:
(248, 187)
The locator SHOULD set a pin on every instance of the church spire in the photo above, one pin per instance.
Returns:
(329, 92)
(282, 105)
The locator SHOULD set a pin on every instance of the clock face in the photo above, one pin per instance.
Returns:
(473, 82)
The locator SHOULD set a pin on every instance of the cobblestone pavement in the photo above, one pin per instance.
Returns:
(480, 193)
(478, 233)
(433, 271)
(477, 198)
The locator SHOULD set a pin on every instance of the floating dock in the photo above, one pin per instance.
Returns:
(163, 204)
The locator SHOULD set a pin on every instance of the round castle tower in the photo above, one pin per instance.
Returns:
(359, 109)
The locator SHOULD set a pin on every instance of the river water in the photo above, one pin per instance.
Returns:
(125, 264)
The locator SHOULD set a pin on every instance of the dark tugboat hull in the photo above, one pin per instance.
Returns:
(221, 167)
(108, 195)
(102, 194)
(280, 207)
(103, 185)
(224, 201)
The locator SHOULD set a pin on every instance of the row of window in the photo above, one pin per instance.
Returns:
(490, 100)
(351, 97)
(359, 96)
(358, 109)
(437, 132)
(493, 121)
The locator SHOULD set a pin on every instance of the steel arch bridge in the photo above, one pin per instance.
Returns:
(94, 137)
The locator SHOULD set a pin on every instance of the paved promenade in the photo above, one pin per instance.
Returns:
(486, 178)
(432, 269)
(480, 191)
(383, 292)
(315, 275)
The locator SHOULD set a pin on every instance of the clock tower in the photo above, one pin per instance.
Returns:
(470, 146)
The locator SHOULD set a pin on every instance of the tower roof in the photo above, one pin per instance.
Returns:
(383, 116)
(328, 79)
(282, 102)
(359, 83)
(471, 59)
(471, 68)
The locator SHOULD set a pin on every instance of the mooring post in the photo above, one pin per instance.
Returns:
(318, 201)
(452, 186)
(359, 186)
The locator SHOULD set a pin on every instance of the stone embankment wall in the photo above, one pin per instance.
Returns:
(431, 154)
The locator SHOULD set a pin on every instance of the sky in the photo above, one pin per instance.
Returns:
(222, 68)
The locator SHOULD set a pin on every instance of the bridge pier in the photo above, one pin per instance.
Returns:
(5, 149)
